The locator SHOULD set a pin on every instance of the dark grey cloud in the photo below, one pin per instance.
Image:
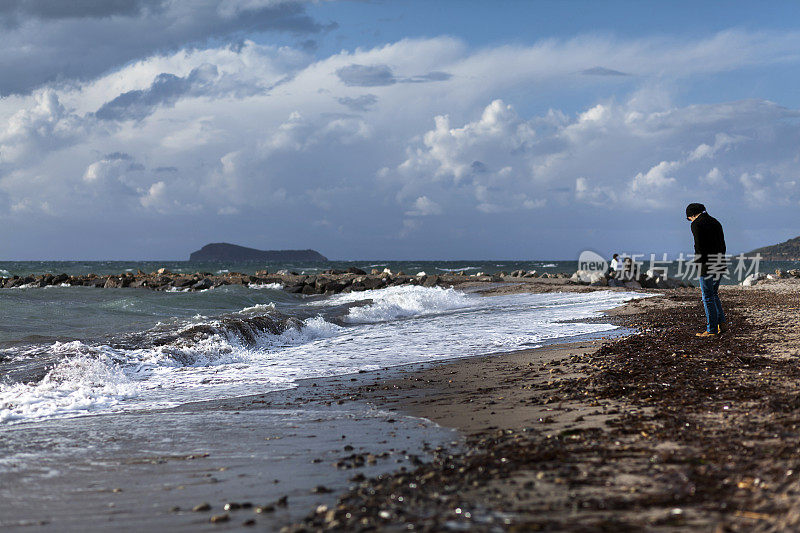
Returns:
(381, 75)
(602, 71)
(165, 169)
(309, 45)
(359, 103)
(118, 156)
(366, 75)
(479, 167)
(430, 76)
(165, 90)
(57, 41)
(15, 11)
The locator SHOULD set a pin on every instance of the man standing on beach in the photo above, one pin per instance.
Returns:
(709, 250)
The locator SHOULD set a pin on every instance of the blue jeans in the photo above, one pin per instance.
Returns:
(709, 286)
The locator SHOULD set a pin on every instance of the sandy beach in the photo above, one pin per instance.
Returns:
(657, 430)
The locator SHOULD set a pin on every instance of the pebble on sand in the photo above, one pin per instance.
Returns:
(219, 518)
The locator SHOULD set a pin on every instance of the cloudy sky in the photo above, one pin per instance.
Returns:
(144, 129)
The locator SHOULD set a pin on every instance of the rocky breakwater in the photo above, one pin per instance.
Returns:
(761, 277)
(354, 280)
(533, 274)
(328, 282)
(652, 279)
(162, 280)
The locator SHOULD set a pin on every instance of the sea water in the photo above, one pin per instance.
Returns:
(71, 351)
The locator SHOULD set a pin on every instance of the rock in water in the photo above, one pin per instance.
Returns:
(203, 284)
(223, 251)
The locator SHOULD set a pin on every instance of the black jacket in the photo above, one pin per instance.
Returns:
(708, 239)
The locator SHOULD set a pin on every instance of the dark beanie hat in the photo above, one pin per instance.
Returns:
(694, 209)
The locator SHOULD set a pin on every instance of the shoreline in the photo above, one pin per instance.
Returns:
(198, 465)
(541, 430)
(270, 455)
(658, 430)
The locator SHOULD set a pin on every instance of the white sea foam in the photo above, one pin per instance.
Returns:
(4, 273)
(101, 378)
(258, 308)
(78, 385)
(397, 325)
(457, 269)
(401, 302)
(268, 286)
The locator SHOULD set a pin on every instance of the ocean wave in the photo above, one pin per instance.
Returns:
(258, 308)
(90, 378)
(260, 348)
(178, 289)
(87, 381)
(401, 302)
(4, 273)
(267, 286)
(32, 285)
(457, 269)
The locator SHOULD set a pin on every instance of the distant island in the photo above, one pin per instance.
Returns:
(231, 253)
(785, 251)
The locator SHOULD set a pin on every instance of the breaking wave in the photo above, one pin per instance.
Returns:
(457, 269)
(401, 302)
(88, 378)
(264, 347)
(269, 286)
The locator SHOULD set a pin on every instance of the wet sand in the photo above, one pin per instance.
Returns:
(273, 455)
(655, 431)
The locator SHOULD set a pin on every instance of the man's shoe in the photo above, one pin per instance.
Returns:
(722, 327)
(705, 334)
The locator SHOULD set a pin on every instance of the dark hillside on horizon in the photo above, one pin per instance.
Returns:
(784, 251)
(223, 251)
